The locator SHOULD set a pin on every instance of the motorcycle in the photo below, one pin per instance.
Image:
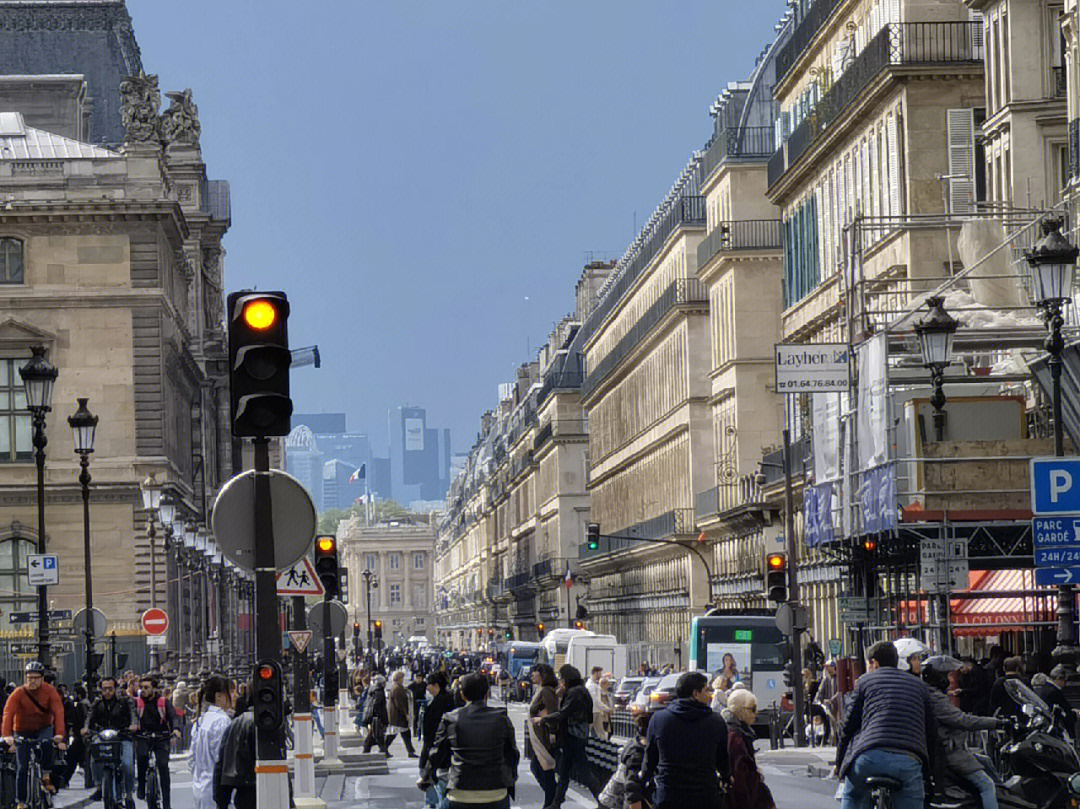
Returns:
(1040, 762)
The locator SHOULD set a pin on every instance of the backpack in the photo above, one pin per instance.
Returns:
(140, 703)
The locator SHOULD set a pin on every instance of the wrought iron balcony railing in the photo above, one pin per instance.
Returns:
(746, 143)
(744, 234)
(803, 35)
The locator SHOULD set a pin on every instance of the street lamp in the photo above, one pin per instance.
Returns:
(371, 582)
(935, 332)
(188, 651)
(1053, 264)
(83, 428)
(39, 377)
(151, 495)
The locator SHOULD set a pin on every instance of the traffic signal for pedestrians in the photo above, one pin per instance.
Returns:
(326, 564)
(776, 579)
(259, 361)
(592, 536)
(269, 710)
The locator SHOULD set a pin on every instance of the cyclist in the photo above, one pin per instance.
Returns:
(158, 723)
(114, 711)
(35, 712)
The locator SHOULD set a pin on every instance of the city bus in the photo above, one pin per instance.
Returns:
(517, 654)
(751, 638)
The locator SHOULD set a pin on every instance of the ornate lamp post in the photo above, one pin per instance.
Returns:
(151, 495)
(188, 650)
(935, 332)
(371, 582)
(39, 377)
(83, 427)
(1053, 265)
(167, 512)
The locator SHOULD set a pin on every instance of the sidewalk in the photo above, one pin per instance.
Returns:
(817, 761)
(72, 798)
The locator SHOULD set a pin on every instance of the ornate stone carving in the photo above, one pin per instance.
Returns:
(140, 101)
(180, 122)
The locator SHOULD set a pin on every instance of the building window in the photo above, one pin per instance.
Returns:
(395, 594)
(11, 261)
(371, 561)
(15, 430)
(16, 594)
(419, 622)
(395, 561)
(418, 561)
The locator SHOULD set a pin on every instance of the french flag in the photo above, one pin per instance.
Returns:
(359, 474)
(569, 580)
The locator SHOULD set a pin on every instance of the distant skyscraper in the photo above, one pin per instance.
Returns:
(304, 461)
(341, 488)
(419, 457)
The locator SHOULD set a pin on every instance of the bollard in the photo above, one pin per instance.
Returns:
(330, 737)
(304, 783)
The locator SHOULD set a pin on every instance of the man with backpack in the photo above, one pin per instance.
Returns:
(157, 725)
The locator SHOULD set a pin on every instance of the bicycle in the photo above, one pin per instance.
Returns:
(153, 777)
(7, 778)
(881, 789)
(106, 748)
(37, 796)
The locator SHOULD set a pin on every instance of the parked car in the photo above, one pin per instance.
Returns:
(641, 698)
(625, 691)
(664, 691)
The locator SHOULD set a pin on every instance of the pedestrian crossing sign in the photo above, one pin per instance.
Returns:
(299, 580)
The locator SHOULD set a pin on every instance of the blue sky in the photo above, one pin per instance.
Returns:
(424, 179)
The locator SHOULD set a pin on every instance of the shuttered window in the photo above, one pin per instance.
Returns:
(960, 131)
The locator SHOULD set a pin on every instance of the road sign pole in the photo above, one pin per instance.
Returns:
(329, 691)
(793, 595)
(271, 768)
(304, 784)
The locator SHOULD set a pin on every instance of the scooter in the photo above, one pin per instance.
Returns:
(954, 792)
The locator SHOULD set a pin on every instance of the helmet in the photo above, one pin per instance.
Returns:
(34, 666)
(906, 648)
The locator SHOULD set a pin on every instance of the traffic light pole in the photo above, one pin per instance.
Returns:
(271, 767)
(793, 597)
(305, 762)
(330, 691)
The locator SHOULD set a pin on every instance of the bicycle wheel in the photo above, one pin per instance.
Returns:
(34, 787)
(153, 784)
(107, 789)
(7, 787)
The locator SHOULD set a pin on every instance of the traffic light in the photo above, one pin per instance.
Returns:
(540, 629)
(326, 564)
(259, 361)
(579, 624)
(509, 634)
(776, 581)
(269, 711)
(378, 630)
(592, 536)
(784, 649)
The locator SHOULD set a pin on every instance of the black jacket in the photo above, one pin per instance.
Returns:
(1055, 697)
(687, 750)
(440, 705)
(1000, 701)
(237, 759)
(478, 744)
(151, 720)
(575, 709)
(117, 713)
(375, 705)
(890, 709)
(975, 691)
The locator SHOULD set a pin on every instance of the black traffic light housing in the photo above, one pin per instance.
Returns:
(269, 694)
(259, 361)
(378, 630)
(326, 564)
(784, 649)
(776, 578)
(540, 629)
(509, 634)
(579, 624)
(592, 536)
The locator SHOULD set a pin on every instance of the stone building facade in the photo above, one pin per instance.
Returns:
(402, 556)
(113, 262)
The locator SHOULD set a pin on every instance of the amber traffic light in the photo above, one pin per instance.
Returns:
(259, 361)
(776, 580)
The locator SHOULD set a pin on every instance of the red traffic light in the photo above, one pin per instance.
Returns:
(776, 562)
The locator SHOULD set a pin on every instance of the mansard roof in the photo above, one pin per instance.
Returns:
(21, 142)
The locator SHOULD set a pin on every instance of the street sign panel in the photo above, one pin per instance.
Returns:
(299, 580)
(811, 367)
(338, 617)
(300, 638)
(1055, 486)
(1057, 575)
(1057, 545)
(1056, 532)
(99, 623)
(854, 609)
(42, 569)
(156, 640)
(155, 621)
(55, 616)
(294, 516)
(943, 564)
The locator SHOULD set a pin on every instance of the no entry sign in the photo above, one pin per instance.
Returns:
(155, 621)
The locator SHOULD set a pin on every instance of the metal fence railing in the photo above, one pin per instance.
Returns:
(742, 234)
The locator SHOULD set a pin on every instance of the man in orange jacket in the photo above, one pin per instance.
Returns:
(35, 711)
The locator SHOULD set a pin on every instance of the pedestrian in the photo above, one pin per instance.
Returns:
(624, 789)
(34, 711)
(602, 709)
(974, 687)
(1054, 695)
(113, 710)
(826, 697)
(158, 726)
(316, 713)
(375, 716)
(889, 729)
(721, 685)
(398, 714)
(953, 728)
(235, 773)
(541, 741)
(418, 691)
(572, 721)
(1000, 701)
(79, 755)
(687, 748)
(438, 704)
(206, 737)
(478, 745)
(748, 789)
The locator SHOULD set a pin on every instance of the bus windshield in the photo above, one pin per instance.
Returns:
(750, 642)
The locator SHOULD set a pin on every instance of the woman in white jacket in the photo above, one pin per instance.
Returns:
(206, 739)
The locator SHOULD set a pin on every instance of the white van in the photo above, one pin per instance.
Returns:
(584, 652)
(554, 645)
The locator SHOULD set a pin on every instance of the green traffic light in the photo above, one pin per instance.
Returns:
(593, 545)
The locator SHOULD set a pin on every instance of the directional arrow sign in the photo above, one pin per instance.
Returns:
(42, 569)
(300, 638)
(1057, 575)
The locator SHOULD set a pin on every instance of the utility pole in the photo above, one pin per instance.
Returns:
(305, 763)
(793, 596)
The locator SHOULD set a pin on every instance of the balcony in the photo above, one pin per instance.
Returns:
(561, 428)
(914, 43)
(518, 580)
(1074, 149)
(669, 525)
(494, 590)
(803, 36)
(541, 569)
(682, 291)
(559, 380)
(689, 210)
(748, 143)
(745, 234)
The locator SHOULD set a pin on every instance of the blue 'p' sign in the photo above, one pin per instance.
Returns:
(1055, 485)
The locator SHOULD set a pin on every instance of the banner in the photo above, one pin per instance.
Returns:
(826, 410)
(818, 514)
(877, 499)
(871, 418)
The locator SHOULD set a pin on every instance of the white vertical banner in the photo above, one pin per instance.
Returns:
(872, 422)
(826, 409)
